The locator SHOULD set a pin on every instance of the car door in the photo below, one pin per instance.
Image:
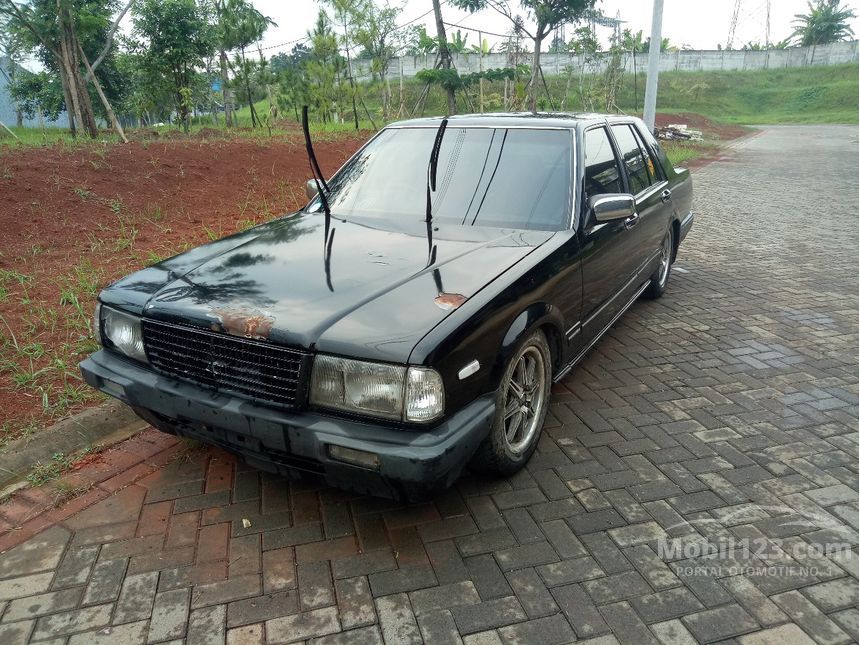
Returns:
(650, 191)
(607, 267)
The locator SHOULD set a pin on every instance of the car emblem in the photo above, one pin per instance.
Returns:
(216, 368)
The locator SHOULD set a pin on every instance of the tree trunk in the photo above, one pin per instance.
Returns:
(105, 102)
(225, 93)
(69, 91)
(533, 81)
(69, 57)
(349, 71)
(444, 54)
(245, 71)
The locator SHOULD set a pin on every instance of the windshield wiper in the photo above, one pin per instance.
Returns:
(322, 189)
(431, 187)
(431, 170)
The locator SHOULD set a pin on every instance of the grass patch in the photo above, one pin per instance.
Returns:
(43, 473)
(682, 152)
(53, 136)
(825, 94)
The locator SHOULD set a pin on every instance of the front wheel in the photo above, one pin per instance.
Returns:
(660, 278)
(521, 405)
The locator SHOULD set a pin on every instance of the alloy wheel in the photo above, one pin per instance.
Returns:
(525, 398)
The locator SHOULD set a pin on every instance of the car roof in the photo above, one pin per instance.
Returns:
(569, 120)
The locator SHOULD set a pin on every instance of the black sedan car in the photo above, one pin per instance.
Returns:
(408, 322)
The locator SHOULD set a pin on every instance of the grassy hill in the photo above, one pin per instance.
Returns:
(826, 94)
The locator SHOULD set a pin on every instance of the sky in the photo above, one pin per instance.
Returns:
(699, 24)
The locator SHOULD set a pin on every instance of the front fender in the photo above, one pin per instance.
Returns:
(539, 315)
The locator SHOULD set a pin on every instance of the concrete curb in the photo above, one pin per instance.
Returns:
(104, 425)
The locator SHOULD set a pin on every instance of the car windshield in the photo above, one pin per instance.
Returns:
(501, 177)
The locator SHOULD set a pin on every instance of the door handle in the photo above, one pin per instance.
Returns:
(631, 221)
(665, 195)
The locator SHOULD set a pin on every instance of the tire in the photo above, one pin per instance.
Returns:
(660, 278)
(526, 382)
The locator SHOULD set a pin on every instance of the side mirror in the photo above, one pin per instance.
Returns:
(310, 189)
(612, 206)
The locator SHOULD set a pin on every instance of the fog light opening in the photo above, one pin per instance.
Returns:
(359, 458)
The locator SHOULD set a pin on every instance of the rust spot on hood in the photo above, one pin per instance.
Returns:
(449, 301)
(245, 323)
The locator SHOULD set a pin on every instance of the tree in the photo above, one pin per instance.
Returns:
(458, 44)
(345, 10)
(323, 66)
(295, 60)
(65, 35)
(419, 42)
(54, 30)
(376, 31)
(547, 16)
(37, 94)
(482, 48)
(445, 61)
(292, 91)
(238, 25)
(557, 46)
(148, 93)
(177, 37)
(826, 22)
(634, 42)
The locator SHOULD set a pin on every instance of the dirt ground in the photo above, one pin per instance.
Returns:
(72, 219)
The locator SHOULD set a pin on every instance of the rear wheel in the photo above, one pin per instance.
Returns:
(660, 278)
(521, 405)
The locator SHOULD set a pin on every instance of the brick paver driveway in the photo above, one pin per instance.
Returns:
(721, 417)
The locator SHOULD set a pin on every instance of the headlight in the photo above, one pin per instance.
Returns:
(377, 389)
(122, 332)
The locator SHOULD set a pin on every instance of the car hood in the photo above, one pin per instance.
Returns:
(371, 292)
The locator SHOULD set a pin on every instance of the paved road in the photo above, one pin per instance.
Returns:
(722, 416)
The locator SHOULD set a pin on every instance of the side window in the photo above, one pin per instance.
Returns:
(654, 171)
(662, 161)
(602, 173)
(631, 154)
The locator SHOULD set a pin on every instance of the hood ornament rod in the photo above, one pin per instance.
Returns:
(322, 189)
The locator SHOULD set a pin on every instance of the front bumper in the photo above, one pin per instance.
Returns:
(411, 463)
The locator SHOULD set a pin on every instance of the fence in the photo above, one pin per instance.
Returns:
(682, 60)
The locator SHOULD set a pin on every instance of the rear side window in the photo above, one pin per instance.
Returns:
(660, 159)
(654, 170)
(634, 162)
(602, 173)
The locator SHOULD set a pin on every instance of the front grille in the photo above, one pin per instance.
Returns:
(253, 369)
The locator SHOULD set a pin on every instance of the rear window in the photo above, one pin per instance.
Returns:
(510, 178)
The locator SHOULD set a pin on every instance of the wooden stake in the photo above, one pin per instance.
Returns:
(5, 127)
